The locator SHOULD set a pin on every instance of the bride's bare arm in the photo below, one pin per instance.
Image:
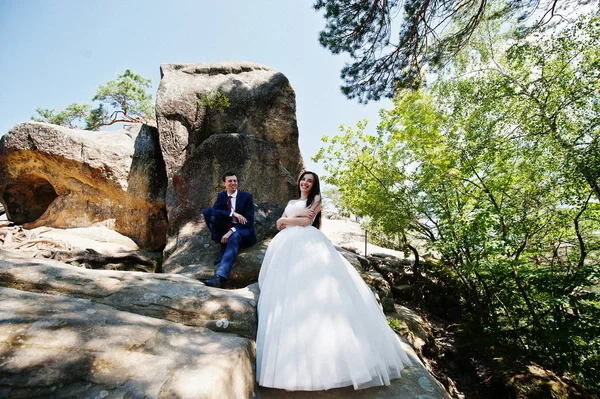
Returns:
(316, 205)
(305, 218)
(311, 211)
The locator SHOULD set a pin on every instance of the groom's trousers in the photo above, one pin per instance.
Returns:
(218, 226)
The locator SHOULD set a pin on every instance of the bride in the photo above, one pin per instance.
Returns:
(319, 325)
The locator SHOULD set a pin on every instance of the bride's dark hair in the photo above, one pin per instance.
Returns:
(314, 191)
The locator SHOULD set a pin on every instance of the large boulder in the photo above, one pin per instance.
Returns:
(256, 137)
(262, 103)
(129, 334)
(255, 162)
(60, 177)
(195, 186)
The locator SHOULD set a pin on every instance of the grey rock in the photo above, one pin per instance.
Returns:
(417, 330)
(255, 162)
(357, 261)
(372, 278)
(164, 296)
(377, 281)
(262, 103)
(91, 259)
(61, 347)
(195, 187)
(199, 264)
(55, 176)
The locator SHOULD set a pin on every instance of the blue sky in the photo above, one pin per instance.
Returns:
(53, 53)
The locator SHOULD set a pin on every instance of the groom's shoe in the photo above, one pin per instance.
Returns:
(215, 281)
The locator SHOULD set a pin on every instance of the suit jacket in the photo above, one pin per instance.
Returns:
(244, 205)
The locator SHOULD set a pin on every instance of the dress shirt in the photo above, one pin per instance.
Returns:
(233, 198)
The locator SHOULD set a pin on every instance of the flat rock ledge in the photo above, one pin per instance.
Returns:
(55, 346)
(171, 297)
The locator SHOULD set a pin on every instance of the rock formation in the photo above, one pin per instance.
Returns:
(256, 137)
(60, 177)
(72, 332)
(262, 104)
(163, 296)
(195, 187)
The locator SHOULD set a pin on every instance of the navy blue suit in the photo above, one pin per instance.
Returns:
(217, 218)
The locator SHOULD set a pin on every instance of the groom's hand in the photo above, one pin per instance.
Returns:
(240, 218)
(225, 238)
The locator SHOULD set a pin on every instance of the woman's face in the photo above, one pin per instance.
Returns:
(306, 183)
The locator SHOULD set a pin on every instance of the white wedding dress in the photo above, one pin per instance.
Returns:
(319, 325)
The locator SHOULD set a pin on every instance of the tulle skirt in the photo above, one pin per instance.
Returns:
(319, 325)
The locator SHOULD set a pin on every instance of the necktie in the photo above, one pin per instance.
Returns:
(229, 209)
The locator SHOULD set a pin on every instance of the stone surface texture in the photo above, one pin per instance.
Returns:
(73, 332)
(56, 176)
(262, 103)
(62, 347)
(256, 137)
(165, 296)
(195, 186)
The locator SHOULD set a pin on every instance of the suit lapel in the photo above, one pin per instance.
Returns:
(238, 200)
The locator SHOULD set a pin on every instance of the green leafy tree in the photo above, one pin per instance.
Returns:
(122, 100)
(390, 41)
(96, 118)
(549, 90)
(67, 117)
(493, 171)
(127, 99)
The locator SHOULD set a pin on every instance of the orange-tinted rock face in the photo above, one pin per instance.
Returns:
(60, 177)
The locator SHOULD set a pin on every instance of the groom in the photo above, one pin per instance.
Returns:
(231, 222)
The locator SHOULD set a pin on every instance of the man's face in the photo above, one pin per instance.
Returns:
(230, 184)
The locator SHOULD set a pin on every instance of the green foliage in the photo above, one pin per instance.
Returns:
(212, 99)
(127, 98)
(395, 324)
(122, 100)
(391, 42)
(96, 118)
(66, 117)
(495, 170)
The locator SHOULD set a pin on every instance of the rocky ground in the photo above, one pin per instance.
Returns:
(71, 330)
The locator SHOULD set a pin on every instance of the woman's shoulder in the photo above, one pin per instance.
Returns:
(316, 201)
